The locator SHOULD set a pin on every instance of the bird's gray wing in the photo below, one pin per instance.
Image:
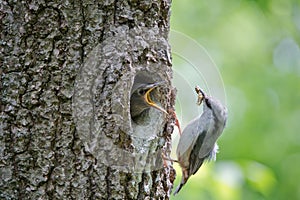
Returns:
(195, 159)
(187, 139)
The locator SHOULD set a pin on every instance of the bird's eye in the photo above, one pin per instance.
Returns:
(142, 92)
(208, 103)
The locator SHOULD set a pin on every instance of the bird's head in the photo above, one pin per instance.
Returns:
(141, 98)
(212, 104)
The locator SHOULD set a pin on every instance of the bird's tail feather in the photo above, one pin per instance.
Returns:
(183, 181)
(178, 188)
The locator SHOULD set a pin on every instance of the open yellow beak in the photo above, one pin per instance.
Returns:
(150, 102)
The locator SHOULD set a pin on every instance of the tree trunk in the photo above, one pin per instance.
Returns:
(67, 70)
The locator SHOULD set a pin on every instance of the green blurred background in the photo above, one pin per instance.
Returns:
(255, 46)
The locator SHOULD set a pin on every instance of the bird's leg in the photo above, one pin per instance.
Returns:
(177, 124)
(173, 114)
(166, 158)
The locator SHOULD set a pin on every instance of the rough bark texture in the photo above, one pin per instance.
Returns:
(59, 144)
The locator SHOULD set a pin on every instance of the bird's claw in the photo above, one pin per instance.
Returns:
(166, 158)
(173, 114)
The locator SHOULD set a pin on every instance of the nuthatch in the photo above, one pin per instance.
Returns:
(198, 140)
(141, 98)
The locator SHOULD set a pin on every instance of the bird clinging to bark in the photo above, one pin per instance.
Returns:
(198, 140)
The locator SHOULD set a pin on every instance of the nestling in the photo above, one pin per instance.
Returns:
(141, 99)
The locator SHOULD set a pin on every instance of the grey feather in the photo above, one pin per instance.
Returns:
(198, 140)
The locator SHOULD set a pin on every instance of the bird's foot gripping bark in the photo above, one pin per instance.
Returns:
(172, 113)
(167, 158)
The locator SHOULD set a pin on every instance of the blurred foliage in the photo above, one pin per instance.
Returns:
(255, 45)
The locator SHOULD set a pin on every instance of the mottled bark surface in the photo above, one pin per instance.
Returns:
(67, 69)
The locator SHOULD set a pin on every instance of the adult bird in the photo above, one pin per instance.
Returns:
(198, 140)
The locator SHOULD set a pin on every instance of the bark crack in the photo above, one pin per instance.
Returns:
(107, 176)
(141, 187)
(82, 31)
(115, 11)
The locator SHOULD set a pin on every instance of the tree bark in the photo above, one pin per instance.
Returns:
(67, 70)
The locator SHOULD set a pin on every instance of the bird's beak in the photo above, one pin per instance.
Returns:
(150, 102)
